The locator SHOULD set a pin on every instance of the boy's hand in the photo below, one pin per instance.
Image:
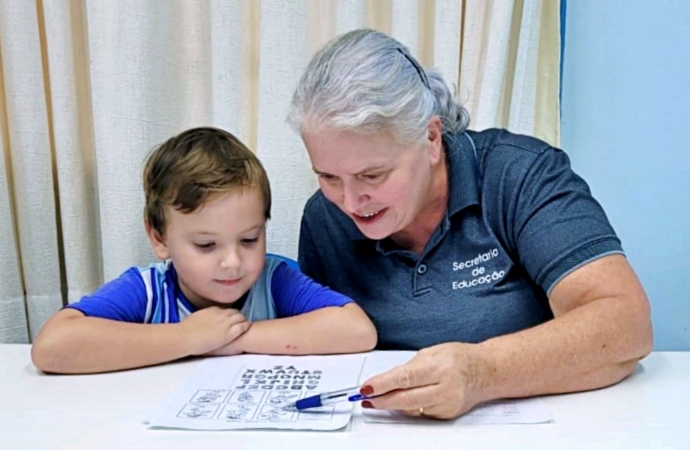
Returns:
(231, 348)
(211, 328)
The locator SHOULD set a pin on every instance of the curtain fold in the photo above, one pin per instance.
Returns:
(28, 143)
(89, 87)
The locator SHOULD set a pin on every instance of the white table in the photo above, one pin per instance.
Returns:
(651, 409)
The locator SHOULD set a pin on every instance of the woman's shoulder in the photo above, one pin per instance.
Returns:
(500, 139)
(512, 158)
(316, 202)
(320, 213)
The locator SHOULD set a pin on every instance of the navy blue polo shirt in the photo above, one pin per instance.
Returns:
(518, 220)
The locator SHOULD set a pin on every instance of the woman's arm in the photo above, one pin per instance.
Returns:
(334, 329)
(601, 329)
(71, 342)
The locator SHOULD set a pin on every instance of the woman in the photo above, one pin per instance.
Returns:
(482, 249)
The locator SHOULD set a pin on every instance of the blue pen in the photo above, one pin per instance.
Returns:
(328, 398)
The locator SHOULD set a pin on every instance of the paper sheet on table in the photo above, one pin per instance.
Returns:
(523, 411)
(249, 391)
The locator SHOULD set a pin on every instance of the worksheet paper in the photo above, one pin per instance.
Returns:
(523, 411)
(249, 391)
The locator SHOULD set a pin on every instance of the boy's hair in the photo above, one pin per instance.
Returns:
(187, 169)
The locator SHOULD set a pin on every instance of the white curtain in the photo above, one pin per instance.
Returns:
(89, 87)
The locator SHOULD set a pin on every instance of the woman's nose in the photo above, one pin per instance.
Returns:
(352, 198)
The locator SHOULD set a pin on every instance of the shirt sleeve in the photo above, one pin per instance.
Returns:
(123, 299)
(294, 293)
(558, 225)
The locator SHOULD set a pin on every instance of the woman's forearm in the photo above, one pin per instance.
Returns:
(592, 346)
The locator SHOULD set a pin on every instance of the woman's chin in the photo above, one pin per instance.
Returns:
(374, 232)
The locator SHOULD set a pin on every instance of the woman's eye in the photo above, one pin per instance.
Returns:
(373, 176)
(326, 177)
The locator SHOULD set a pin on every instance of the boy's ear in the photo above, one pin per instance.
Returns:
(157, 241)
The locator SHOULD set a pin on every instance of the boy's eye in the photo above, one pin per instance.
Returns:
(205, 245)
(250, 241)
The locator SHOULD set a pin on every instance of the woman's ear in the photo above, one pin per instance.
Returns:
(157, 241)
(435, 139)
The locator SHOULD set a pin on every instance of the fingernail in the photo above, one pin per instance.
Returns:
(366, 390)
(367, 404)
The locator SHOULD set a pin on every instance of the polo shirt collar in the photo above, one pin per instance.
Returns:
(463, 172)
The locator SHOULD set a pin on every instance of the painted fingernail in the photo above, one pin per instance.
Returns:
(366, 390)
(367, 404)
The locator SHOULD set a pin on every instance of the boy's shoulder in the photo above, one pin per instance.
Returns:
(153, 276)
(276, 259)
(160, 267)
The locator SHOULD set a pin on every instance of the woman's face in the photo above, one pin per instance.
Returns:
(380, 184)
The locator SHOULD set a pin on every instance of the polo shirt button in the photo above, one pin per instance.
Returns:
(421, 269)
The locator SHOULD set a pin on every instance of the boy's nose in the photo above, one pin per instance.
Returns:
(231, 260)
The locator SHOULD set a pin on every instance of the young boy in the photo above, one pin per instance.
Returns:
(207, 203)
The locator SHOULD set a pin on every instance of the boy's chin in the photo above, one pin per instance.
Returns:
(223, 304)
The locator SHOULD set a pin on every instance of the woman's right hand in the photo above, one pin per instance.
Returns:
(443, 381)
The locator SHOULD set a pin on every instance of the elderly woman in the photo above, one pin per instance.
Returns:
(482, 249)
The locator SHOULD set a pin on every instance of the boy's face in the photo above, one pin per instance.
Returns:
(219, 249)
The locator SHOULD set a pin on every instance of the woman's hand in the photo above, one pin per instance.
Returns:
(443, 382)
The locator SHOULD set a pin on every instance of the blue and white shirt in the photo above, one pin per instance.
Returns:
(152, 294)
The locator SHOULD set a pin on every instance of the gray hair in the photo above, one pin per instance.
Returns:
(368, 82)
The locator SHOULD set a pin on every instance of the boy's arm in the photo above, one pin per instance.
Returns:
(71, 342)
(333, 329)
(313, 319)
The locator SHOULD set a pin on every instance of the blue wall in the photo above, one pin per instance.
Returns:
(626, 126)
